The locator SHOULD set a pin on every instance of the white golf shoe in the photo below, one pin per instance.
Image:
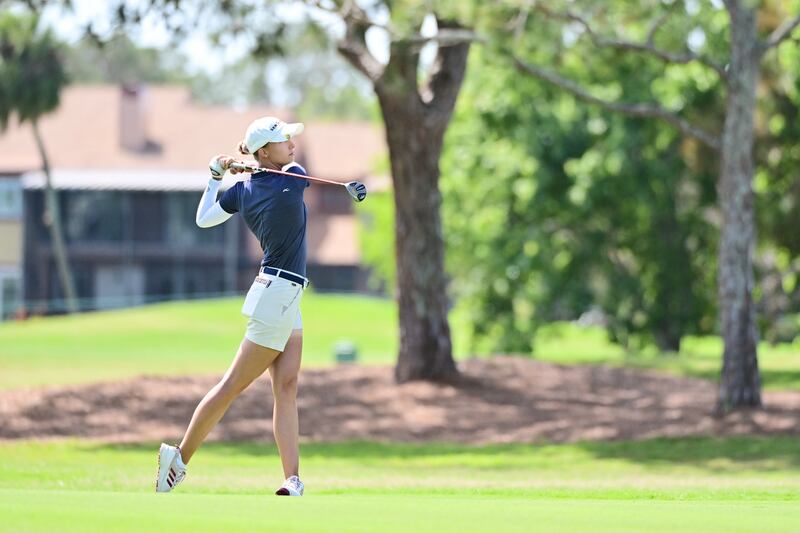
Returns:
(171, 469)
(291, 487)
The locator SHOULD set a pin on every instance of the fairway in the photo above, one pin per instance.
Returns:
(737, 484)
(198, 337)
(94, 511)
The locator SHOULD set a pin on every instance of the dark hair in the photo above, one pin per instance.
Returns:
(243, 148)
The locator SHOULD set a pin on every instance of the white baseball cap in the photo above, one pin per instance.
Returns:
(269, 130)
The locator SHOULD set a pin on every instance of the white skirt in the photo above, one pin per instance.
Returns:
(273, 307)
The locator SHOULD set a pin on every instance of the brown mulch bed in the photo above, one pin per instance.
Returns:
(498, 400)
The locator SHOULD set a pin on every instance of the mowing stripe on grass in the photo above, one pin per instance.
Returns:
(42, 510)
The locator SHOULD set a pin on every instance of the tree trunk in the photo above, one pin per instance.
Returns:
(672, 278)
(415, 119)
(415, 134)
(425, 347)
(668, 337)
(740, 383)
(54, 223)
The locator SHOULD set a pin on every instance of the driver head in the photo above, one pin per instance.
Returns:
(357, 190)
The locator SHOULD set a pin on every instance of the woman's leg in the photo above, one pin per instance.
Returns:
(284, 373)
(251, 361)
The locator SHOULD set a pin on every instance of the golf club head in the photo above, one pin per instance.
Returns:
(357, 190)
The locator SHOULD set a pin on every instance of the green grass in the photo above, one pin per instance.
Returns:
(569, 344)
(94, 511)
(734, 484)
(202, 336)
(179, 338)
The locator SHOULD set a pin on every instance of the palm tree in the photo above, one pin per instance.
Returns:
(31, 78)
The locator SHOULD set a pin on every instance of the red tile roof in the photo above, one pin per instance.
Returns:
(84, 133)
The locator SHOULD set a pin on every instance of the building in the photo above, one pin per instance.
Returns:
(129, 165)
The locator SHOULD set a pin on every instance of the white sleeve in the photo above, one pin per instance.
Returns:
(209, 212)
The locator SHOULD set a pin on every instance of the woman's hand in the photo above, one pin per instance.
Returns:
(221, 163)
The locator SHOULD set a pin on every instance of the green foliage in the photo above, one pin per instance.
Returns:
(31, 69)
(778, 195)
(553, 208)
(309, 76)
(119, 60)
(305, 73)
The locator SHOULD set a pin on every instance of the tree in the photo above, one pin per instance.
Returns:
(740, 384)
(778, 196)
(547, 215)
(416, 116)
(31, 77)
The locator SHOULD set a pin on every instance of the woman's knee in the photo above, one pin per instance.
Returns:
(285, 387)
(231, 386)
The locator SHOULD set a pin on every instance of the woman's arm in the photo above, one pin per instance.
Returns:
(209, 212)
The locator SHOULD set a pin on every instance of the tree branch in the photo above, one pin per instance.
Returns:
(359, 15)
(634, 110)
(354, 45)
(447, 37)
(647, 46)
(447, 71)
(660, 21)
(517, 25)
(781, 33)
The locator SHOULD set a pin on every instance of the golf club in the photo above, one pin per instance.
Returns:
(356, 189)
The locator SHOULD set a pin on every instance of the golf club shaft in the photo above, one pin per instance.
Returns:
(248, 168)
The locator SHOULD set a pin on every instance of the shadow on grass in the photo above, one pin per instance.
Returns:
(729, 454)
(781, 379)
(722, 454)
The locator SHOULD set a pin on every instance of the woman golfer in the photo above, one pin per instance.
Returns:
(272, 206)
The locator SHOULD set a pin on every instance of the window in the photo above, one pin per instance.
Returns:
(93, 216)
(182, 231)
(10, 198)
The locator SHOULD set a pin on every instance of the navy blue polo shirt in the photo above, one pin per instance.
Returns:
(272, 207)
